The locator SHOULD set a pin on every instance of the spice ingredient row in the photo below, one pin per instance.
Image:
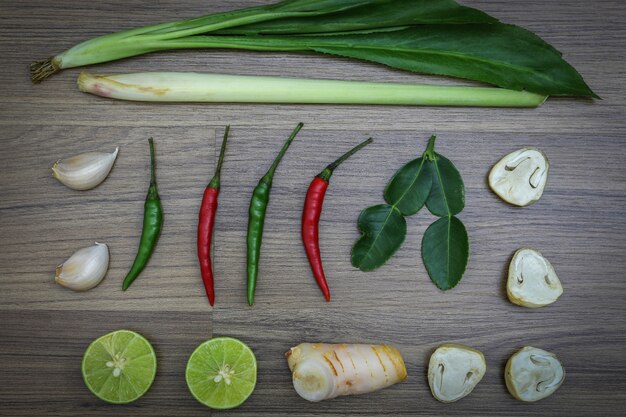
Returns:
(221, 373)
(430, 181)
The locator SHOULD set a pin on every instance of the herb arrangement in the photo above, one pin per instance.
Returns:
(430, 180)
(427, 36)
(221, 373)
(438, 37)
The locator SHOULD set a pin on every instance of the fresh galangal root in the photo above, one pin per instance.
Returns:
(454, 370)
(322, 371)
(532, 374)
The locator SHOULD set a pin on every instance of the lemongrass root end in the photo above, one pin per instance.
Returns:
(40, 70)
(94, 84)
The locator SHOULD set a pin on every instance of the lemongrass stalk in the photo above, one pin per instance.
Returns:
(218, 88)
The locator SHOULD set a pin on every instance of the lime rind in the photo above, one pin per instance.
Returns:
(203, 366)
(134, 381)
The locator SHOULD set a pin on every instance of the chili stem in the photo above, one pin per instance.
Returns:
(270, 173)
(430, 149)
(328, 171)
(152, 164)
(215, 181)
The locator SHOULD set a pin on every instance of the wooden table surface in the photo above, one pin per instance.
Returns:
(579, 224)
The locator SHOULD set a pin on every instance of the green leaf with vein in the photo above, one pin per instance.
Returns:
(376, 15)
(504, 55)
(410, 186)
(447, 195)
(445, 251)
(284, 10)
(432, 180)
(384, 229)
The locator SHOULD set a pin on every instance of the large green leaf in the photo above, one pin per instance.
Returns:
(383, 228)
(503, 55)
(447, 195)
(376, 14)
(425, 36)
(410, 186)
(445, 251)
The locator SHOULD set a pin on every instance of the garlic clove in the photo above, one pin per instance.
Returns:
(532, 280)
(84, 269)
(532, 374)
(520, 177)
(84, 171)
(454, 370)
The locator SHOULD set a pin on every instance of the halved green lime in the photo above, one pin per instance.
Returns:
(221, 373)
(119, 367)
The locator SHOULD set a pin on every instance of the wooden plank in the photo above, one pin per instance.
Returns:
(41, 353)
(397, 303)
(601, 41)
(416, 332)
(44, 222)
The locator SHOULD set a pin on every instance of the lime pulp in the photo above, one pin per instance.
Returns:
(221, 373)
(119, 367)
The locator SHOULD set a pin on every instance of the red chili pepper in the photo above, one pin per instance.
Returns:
(311, 217)
(206, 222)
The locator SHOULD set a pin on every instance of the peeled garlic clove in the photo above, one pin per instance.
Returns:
(520, 177)
(532, 280)
(84, 269)
(454, 370)
(533, 374)
(84, 171)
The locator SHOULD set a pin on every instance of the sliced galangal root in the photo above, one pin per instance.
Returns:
(322, 371)
(520, 177)
(532, 280)
(454, 370)
(532, 374)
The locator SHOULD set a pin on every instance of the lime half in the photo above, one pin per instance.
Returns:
(221, 373)
(119, 367)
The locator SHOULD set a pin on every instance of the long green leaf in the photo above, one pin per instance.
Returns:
(376, 15)
(284, 10)
(503, 55)
(384, 230)
(134, 42)
(445, 251)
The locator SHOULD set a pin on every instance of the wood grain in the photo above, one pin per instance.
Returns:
(579, 224)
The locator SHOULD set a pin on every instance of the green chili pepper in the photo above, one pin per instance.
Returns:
(152, 225)
(258, 207)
